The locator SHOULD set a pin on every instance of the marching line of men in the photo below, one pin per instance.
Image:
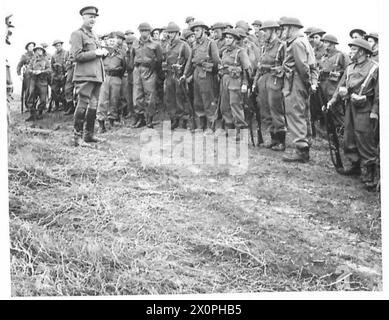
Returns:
(212, 75)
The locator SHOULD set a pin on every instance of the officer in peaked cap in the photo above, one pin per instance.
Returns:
(89, 10)
(58, 66)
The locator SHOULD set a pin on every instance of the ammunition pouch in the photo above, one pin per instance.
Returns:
(207, 66)
(358, 100)
(235, 71)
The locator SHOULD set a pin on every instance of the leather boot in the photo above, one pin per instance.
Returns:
(71, 109)
(259, 138)
(300, 155)
(149, 122)
(174, 123)
(32, 116)
(353, 170)
(141, 122)
(367, 174)
(272, 142)
(280, 137)
(79, 117)
(90, 126)
(102, 128)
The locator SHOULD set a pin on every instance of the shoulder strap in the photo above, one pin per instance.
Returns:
(279, 51)
(236, 56)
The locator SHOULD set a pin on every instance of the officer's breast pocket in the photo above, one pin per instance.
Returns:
(89, 44)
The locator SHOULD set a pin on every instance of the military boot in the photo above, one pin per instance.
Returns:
(102, 128)
(203, 123)
(184, 124)
(32, 116)
(259, 138)
(272, 142)
(300, 155)
(353, 170)
(141, 122)
(90, 126)
(70, 109)
(149, 122)
(367, 173)
(280, 145)
(78, 126)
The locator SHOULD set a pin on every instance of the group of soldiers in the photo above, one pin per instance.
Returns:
(216, 78)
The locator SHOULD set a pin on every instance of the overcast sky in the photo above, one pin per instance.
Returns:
(47, 20)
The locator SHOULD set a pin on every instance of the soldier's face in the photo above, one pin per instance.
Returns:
(256, 28)
(191, 38)
(356, 35)
(268, 33)
(89, 20)
(156, 35)
(111, 42)
(229, 39)
(316, 40)
(198, 32)
(144, 33)
(119, 41)
(355, 53)
(372, 42)
(30, 47)
(217, 33)
(58, 46)
(39, 52)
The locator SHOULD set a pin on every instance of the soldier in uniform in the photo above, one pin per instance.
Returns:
(203, 63)
(58, 66)
(218, 29)
(109, 98)
(177, 55)
(318, 46)
(88, 75)
(21, 67)
(258, 32)
(244, 25)
(130, 80)
(234, 72)
(269, 83)
(372, 38)
(357, 33)
(189, 37)
(333, 64)
(146, 57)
(39, 69)
(69, 84)
(360, 88)
(300, 76)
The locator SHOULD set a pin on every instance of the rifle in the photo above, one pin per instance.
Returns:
(334, 132)
(185, 90)
(22, 97)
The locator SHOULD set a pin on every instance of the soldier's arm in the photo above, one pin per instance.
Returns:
(375, 107)
(189, 66)
(301, 61)
(20, 65)
(245, 63)
(215, 53)
(77, 49)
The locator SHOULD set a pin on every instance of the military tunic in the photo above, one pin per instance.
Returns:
(202, 64)
(359, 140)
(235, 65)
(58, 66)
(38, 82)
(177, 103)
(269, 85)
(146, 57)
(109, 99)
(300, 74)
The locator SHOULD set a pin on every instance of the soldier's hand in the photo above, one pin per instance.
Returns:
(243, 89)
(343, 91)
(373, 115)
(313, 87)
(182, 78)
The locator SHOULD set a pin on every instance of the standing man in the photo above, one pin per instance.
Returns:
(269, 82)
(218, 29)
(257, 24)
(234, 71)
(21, 69)
(130, 113)
(177, 55)
(109, 98)
(58, 66)
(39, 69)
(300, 76)
(360, 89)
(88, 74)
(146, 57)
(203, 63)
(69, 84)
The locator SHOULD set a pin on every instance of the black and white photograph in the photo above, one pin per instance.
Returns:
(192, 149)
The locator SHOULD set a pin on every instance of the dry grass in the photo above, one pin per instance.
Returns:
(95, 221)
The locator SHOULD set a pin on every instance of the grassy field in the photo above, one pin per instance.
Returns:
(96, 221)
